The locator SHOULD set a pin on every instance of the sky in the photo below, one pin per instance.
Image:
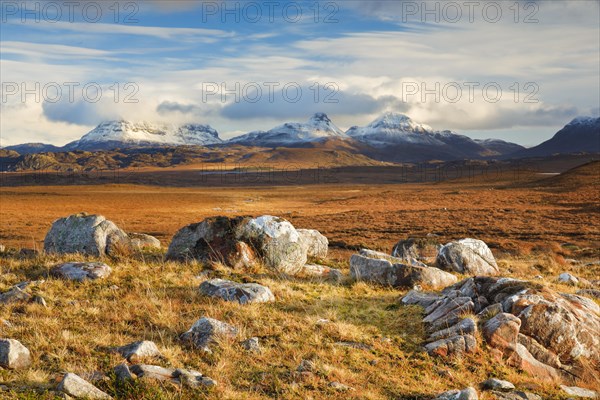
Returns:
(513, 70)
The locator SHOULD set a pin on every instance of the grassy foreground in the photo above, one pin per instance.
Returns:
(148, 299)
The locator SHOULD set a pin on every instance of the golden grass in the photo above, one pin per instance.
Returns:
(158, 301)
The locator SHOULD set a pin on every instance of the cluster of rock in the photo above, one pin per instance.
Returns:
(240, 243)
(93, 235)
(243, 242)
(551, 335)
(407, 266)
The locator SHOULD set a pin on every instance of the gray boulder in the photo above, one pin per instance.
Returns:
(79, 388)
(243, 293)
(86, 234)
(579, 392)
(278, 242)
(81, 271)
(322, 271)
(207, 331)
(13, 355)
(467, 256)
(389, 271)
(316, 244)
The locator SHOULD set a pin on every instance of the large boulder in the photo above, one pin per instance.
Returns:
(86, 234)
(207, 331)
(278, 243)
(382, 269)
(465, 394)
(243, 293)
(216, 239)
(422, 249)
(316, 244)
(13, 355)
(242, 242)
(467, 256)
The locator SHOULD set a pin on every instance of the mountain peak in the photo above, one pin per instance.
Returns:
(319, 117)
(585, 120)
(124, 133)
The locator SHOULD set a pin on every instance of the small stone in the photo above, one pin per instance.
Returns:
(568, 279)
(208, 331)
(138, 350)
(13, 355)
(465, 394)
(579, 392)
(340, 386)
(497, 384)
(82, 271)
(152, 372)
(243, 293)
(79, 388)
(252, 345)
(192, 379)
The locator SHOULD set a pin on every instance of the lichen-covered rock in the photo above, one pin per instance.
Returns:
(316, 243)
(82, 271)
(86, 234)
(243, 293)
(501, 332)
(553, 336)
(420, 298)
(278, 243)
(216, 239)
(207, 331)
(467, 256)
(424, 250)
(579, 392)
(154, 372)
(140, 241)
(79, 388)
(13, 355)
(453, 346)
(372, 267)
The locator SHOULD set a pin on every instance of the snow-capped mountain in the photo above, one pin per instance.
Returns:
(392, 128)
(115, 134)
(319, 127)
(581, 135)
(397, 137)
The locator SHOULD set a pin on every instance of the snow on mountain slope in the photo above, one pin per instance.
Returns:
(319, 127)
(127, 133)
(397, 128)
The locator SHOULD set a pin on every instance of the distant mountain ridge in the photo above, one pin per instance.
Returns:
(390, 138)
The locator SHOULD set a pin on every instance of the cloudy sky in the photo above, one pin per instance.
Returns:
(513, 70)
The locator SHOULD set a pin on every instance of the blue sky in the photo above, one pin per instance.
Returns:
(170, 61)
